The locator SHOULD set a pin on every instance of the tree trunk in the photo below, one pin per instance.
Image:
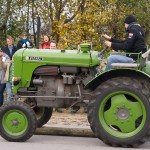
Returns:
(147, 37)
(33, 19)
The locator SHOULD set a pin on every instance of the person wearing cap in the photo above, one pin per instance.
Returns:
(24, 42)
(134, 43)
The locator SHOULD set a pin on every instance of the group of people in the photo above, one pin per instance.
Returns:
(48, 44)
(134, 43)
(6, 55)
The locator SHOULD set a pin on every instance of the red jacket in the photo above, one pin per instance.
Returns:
(45, 45)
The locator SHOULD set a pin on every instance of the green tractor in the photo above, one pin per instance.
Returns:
(118, 100)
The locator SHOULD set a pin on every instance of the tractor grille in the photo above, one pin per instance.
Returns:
(46, 70)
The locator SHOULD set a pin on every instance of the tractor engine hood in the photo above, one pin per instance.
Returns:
(59, 57)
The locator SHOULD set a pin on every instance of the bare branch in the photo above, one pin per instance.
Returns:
(80, 7)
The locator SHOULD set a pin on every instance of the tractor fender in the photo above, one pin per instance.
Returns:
(99, 79)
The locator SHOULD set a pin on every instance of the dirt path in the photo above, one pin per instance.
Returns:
(66, 118)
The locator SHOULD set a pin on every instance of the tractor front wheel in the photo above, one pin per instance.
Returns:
(17, 121)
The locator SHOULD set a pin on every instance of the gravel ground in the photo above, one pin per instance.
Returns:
(67, 118)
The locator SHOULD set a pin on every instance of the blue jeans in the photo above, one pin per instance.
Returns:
(8, 91)
(2, 88)
(118, 58)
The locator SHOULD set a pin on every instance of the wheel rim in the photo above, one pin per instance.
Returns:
(39, 111)
(15, 122)
(122, 114)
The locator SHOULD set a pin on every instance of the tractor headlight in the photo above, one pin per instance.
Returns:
(15, 80)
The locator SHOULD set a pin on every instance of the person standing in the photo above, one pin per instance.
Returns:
(9, 51)
(24, 42)
(134, 43)
(46, 43)
(2, 81)
(53, 45)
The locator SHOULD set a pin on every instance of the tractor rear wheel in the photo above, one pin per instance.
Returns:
(18, 121)
(43, 115)
(119, 113)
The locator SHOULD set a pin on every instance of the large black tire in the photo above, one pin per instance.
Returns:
(43, 115)
(17, 121)
(119, 112)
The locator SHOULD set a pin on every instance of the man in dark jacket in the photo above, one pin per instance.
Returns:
(9, 49)
(134, 43)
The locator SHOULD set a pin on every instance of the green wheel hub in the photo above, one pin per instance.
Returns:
(15, 122)
(122, 114)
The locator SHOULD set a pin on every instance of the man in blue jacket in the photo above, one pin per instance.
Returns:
(134, 43)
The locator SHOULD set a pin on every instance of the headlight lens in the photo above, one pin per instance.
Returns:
(15, 80)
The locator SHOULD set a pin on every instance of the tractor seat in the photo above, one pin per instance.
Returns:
(133, 65)
(125, 65)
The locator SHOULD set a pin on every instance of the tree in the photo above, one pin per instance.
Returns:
(5, 12)
(142, 12)
(71, 21)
